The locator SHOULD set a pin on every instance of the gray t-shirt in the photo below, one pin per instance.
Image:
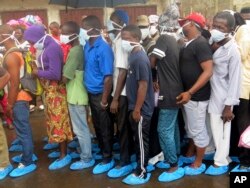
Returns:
(168, 71)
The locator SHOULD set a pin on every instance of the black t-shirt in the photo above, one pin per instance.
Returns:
(191, 57)
(167, 52)
(139, 69)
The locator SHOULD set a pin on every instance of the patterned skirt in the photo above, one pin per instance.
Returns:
(56, 112)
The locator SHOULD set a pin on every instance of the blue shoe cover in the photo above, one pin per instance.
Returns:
(121, 171)
(194, 171)
(16, 142)
(79, 165)
(74, 155)
(97, 156)
(5, 171)
(213, 171)
(73, 144)
(54, 154)
(60, 163)
(22, 170)
(239, 168)
(187, 160)
(150, 168)
(18, 158)
(16, 148)
(117, 156)
(101, 168)
(51, 146)
(172, 176)
(132, 179)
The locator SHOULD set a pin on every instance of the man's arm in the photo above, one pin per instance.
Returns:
(4, 78)
(121, 80)
(141, 95)
(106, 91)
(207, 68)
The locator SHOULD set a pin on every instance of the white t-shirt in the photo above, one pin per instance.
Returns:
(121, 61)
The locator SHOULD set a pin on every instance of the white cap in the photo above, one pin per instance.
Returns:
(153, 19)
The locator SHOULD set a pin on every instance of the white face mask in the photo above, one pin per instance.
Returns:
(153, 30)
(65, 39)
(39, 45)
(85, 35)
(10, 36)
(126, 45)
(217, 36)
(144, 33)
(248, 22)
(81, 37)
(110, 26)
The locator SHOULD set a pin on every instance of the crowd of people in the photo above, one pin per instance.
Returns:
(142, 83)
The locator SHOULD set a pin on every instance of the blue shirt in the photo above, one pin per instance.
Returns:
(99, 59)
(139, 69)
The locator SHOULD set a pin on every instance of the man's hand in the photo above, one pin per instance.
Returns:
(114, 106)
(156, 86)
(136, 116)
(34, 68)
(104, 105)
(183, 98)
(227, 114)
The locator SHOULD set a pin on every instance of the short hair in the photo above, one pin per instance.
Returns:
(245, 10)
(239, 20)
(92, 21)
(228, 17)
(134, 30)
(55, 24)
(73, 26)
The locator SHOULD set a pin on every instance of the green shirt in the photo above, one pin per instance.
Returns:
(73, 70)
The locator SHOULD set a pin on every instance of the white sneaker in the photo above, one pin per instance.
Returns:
(32, 108)
(41, 107)
(156, 159)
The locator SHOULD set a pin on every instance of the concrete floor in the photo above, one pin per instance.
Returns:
(65, 178)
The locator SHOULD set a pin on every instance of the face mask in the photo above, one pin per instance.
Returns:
(112, 36)
(153, 30)
(10, 36)
(65, 39)
(110, 26)
(183, 30)
(81, 37)
(217, 36)
(248, 22)
(39, 45)
(144, 33)
(126, 45)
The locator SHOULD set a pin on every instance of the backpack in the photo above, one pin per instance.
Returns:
(28, 82)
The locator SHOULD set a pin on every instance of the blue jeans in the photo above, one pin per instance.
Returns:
(81, 129)
(21, 115)
(169, 136)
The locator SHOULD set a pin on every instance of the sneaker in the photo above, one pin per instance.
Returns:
(22, 170)
(16, 148)
(172, 176)
(54, 154)
(5, 171)
(213, 171)
(41, 107)
(79, 165)
(60, 163)
(18, 158)
(189, 170)
(73, 144)
(132, 179)
(187, 160)
(51, 146)
(241, 168)
(32, 108)
(156, 159)
(103, 167)
(119, 171)
(74, 155)
(16, 142)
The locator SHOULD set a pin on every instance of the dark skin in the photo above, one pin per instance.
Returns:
(142, 84)
(4, 79)
(121, 80)
(108, 79)
(54, 29)
(13, 64)
(221, 25)
(191, 32)
(19, 35)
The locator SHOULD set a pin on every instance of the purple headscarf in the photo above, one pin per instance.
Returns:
(34, 33)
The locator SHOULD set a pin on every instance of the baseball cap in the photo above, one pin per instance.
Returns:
(196, 17)
(142, 20)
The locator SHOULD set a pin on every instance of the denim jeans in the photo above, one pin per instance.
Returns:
(168, 131)
(21, 115)
(81, 129)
